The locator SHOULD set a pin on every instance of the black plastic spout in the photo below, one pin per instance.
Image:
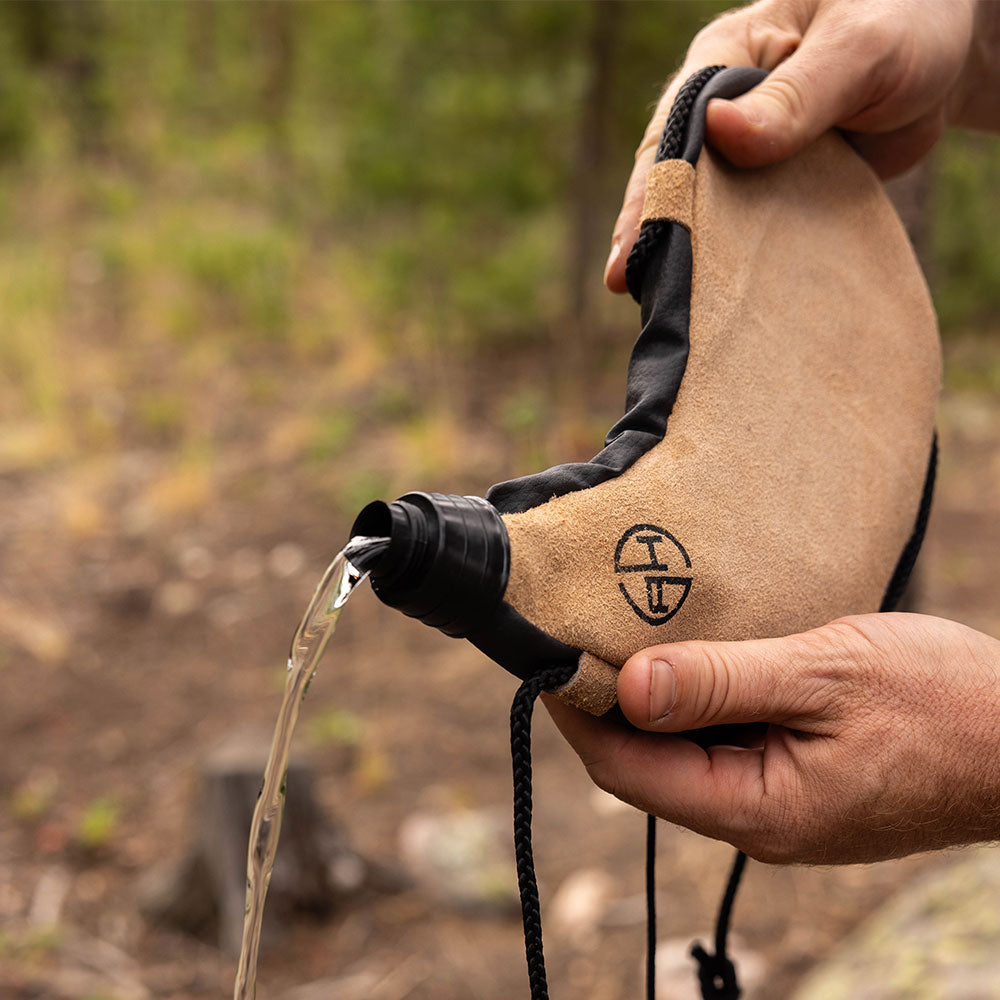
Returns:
(447, 561)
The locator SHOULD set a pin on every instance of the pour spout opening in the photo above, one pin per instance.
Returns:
(447, 560)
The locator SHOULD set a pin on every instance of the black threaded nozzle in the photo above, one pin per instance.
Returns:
(447, 561)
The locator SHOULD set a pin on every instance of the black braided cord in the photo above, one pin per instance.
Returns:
(716, 973)
(650, 907)
(669, 148)
(673, 131)
(520, 756)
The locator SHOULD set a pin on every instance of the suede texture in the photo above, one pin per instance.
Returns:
(670, 193)
(794, 458)
(594, 686)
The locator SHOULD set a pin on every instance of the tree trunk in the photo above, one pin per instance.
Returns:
(577, 341)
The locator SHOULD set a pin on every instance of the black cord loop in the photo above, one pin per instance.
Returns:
(520, 755)
(650, 907)
(669, 148)
(716, 973)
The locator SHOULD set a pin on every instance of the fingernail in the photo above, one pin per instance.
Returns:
(662, 690)
(616, 249)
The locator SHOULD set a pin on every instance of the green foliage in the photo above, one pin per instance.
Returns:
(279, 203)
(332, 436)
(97, 824)
(973, 366)
(333, 726)
(31, 800)
(242, 273)
(15, 103)
(30, 365)
(33, 944)
(523, 412)
(501, 295)
(966, 231)
(357, 486)
(162, 414)
(110, 195)
(393, 400)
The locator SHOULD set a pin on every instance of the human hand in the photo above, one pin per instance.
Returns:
(892, 74)
(884, 739)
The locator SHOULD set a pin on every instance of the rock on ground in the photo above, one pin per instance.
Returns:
(939, 939)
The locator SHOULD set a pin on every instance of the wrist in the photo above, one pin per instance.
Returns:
(975, 98)
(992, 692)
(982, 782)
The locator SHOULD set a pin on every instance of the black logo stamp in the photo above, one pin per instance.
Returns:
(656, 572)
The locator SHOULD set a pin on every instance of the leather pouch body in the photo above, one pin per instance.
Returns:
(774, 465)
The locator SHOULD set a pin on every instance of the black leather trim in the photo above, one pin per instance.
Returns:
(518, 646)
(904, 567)
(660, 354)
(656, 368)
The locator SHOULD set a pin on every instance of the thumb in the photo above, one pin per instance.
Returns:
(815, 88)
(691, 685)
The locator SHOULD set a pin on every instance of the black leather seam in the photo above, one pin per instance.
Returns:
(659, 357)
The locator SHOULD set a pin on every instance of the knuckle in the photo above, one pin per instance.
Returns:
(764, 33)
(730, 25)
(841, 644)
(789, 94)
(605, 777)
(873, 37)
(712, 688)
(769, 41)
(836, 661)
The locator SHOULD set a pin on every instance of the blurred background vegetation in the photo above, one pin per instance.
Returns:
(284, 228)
(260, 263)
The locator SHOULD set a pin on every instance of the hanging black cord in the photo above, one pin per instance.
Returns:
(520, 756)
(716, 973)
(650, 907)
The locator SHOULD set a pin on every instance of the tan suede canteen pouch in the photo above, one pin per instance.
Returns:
(774, 466)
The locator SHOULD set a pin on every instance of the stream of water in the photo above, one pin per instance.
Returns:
(339, 581)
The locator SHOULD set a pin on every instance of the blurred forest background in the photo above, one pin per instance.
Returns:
(259, 264)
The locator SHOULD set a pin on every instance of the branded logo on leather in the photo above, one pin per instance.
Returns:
(654, 572)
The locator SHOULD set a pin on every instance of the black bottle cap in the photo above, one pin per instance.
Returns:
(447, 561)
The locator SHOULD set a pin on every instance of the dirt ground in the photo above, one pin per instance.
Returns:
(134, 639)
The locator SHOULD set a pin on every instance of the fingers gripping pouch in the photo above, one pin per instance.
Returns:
(773, 467)
(772, 471)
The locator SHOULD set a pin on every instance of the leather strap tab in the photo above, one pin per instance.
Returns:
(670, 193)
(594, 686)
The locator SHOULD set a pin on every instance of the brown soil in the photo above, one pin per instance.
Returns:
(136, 636)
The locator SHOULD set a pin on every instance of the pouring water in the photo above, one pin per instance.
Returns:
(343, 575)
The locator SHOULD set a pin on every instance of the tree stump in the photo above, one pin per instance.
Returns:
(316, 870)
